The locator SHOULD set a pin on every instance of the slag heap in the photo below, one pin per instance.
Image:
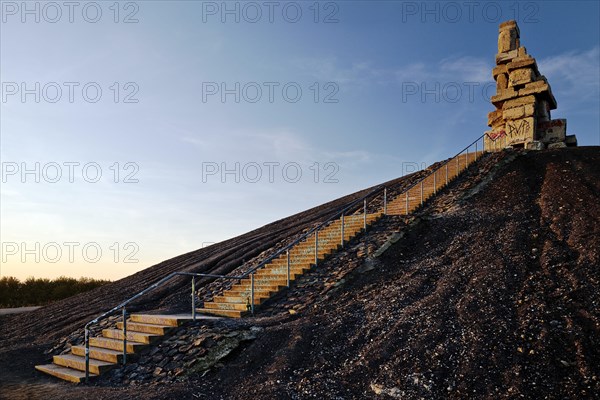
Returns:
(523, 100)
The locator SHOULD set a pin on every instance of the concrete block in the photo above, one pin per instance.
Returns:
(508, 39)
(509, 24)
(501, 83)
(506, 57)
(494, 139)
(536, 145)
(543, 111)
(541, 89)
(527, 110)
(508, 94)
(495, 117)
(557, 145)
(518, 102)
(520, 131)
(520, 77)
(521, 62)
(571, 140)
(552, 131)
(499, 69)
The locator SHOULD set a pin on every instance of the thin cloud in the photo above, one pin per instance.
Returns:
(575, 74)
(467, 69)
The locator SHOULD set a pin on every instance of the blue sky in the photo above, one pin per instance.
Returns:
(167, 127)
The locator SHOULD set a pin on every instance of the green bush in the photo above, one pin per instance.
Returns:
(42, 291)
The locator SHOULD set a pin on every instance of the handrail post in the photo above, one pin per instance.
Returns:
(252, 293)
(288, 267)
(342, 230)
(316, 247)
(365, 215)
(421, 192)
(384, 201)
(434, 182)
(193, 298)
(446, 173)
(87, 354)
(407, 201)
(124, 336)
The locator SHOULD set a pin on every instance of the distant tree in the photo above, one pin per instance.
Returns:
(9, 291)
(42, 291)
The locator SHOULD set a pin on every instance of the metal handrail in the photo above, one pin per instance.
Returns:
(251, 271)
(123, 308)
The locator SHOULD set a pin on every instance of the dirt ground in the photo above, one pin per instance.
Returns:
(495, 294)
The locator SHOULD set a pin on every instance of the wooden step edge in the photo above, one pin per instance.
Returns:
(76, 362)
(159, 319)
(100, 353)
(116, 344)
(139, 327)
(64, 373)
(222, 313)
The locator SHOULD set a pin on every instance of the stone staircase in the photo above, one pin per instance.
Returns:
(269, 280)
(106, 351)
(273, 277)
(416, 196)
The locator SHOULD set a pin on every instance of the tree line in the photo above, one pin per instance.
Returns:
(42, 291)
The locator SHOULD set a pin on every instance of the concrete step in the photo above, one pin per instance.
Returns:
(271, 277)
(64, 373)
(260, 287)
(281, 274)
(114, 344)
(222, 313)
(226, 306)
(163, 320)
(310, 254)
(139, 337)
(98, 353)
(281, 270)
(265, 281)
(78, 362)
(246, 292)
(145, 328)
(239, 299)
(282, 265)
(325, 247)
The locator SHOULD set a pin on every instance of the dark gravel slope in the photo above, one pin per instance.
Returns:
(496, 295)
